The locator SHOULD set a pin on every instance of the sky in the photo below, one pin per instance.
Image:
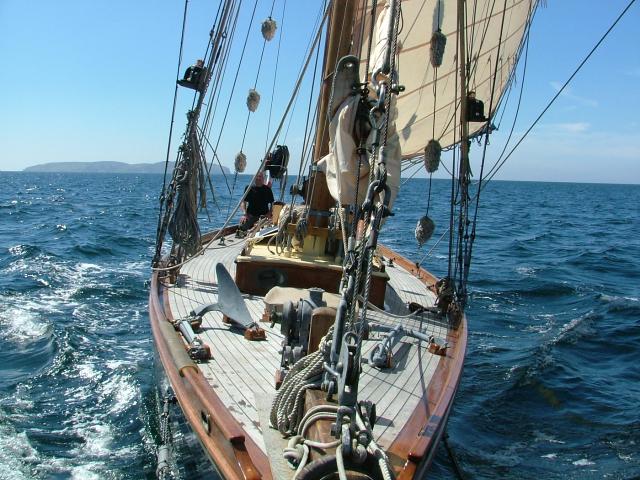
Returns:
(93, 80)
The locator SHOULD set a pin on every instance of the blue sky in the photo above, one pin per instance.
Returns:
(93, 80)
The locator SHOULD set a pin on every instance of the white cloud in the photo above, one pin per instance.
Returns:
(569, 95)
(573, 140)
(573, 152)
(575, 127)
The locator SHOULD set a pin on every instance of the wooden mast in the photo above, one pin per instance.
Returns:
(338, 44)
(464, 146)
(463, 173)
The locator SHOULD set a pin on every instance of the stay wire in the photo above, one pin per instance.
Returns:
(159, 240)
(433, 122)
(222, 69)
(415, 172)
(235, 80)
(275, 74)
(255, 83)
(363, 9)
(470, 240)
(307, 128)
(432, 248)
(374, 5)
(220, 60)
(356, 206)
(487, 14)
(453, 167)
(463, 163)
(517, 112)
(555, 97)
(284, 116)
(215, 156)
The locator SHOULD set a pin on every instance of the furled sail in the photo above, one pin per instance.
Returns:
(427, 107)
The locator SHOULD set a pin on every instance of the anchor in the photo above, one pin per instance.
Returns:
(231, 304)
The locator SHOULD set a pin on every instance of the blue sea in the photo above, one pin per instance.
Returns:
(551, 385)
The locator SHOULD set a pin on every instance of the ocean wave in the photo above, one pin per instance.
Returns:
(531, 365)
(529, 372)
(88, 471)
(119, 391)
(526, 271)
(620, 304)
(22, 320)
(542, 329)
(17, 456)
(546, 437)
(97, 436)
(547, 289)
(24, 250)
(576, 329)
(542, 324)
(93, 250)
(602, 258)
(535, 237)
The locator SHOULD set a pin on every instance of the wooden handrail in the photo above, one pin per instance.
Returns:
(197, 400)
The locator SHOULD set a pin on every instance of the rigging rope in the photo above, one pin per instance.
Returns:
(305, 374)
(453, 169)
(235, 80)
(254, 97)
(310, 49)
(284, 116)
(555, 97)
(452, 456)
(469, 239)
(220, 76)
(160, 231)
(515, 119)
(308, 135)
(275, 75)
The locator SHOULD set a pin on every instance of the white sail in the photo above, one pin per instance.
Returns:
(427, 107)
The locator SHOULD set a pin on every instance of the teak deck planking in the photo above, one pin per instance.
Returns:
(240, 369)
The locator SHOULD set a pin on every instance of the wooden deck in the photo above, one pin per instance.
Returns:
(242, 370)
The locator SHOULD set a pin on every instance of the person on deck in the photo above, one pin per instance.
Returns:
(257, 203)
(193, 76)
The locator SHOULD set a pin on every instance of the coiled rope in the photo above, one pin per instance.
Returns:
(306, 373)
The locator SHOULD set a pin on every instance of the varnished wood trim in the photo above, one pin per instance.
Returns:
(422, 433)
(227, 231)
(231, 430)
(426, 277)
(451, 377)
(411, 452)
(417, 440)
(234, 454)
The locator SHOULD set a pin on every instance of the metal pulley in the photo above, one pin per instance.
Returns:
(296, 325)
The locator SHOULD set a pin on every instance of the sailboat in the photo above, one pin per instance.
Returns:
(303, 347)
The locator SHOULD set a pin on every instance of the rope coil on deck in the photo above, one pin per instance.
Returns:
(286, 411)
(287, 415)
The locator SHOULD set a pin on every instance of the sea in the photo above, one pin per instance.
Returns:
(551, 384)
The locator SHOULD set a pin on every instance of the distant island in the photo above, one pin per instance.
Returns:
(110, 167)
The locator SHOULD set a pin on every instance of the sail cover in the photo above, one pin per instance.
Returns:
(427, 107)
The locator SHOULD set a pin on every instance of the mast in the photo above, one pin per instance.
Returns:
(463, 171)
(338, 44)
(464, 147)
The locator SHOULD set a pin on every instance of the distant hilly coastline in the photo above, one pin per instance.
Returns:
(109, 167)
